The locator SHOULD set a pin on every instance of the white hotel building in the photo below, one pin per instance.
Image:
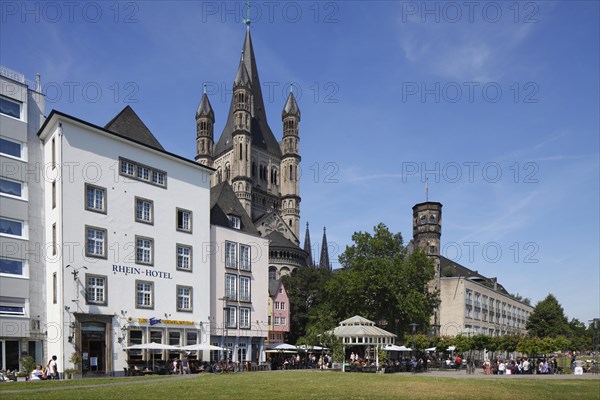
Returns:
(126, 223)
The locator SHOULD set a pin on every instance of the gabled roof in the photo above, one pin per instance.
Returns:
(277, 239)
(224, 202)
(460, 270)
(262, 136)
(274, 286)
(128, 124)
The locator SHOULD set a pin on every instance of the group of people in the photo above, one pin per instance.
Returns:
(520, 366)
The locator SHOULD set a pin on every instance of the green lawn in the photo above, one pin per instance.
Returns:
(307, 385)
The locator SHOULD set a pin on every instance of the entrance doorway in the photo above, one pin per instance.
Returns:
(93, 345)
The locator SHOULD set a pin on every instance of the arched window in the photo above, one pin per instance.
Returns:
(219, 176)
(227, 172)
(422, 220)
(241, 152)
(272, 273)
(291, 172)
(432, 219)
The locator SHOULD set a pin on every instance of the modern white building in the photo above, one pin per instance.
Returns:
(125, 223)
(22, 299)
(239, 259)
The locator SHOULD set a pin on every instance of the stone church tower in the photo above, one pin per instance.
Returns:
(263, 172)
(427, 232)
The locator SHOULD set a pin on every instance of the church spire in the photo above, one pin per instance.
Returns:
(307, 248)
(324, 261)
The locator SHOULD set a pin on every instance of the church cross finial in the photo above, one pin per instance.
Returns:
(204, 88)
(291, 87)
(247, 19)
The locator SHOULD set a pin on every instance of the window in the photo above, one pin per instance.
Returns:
(230, 255)
(95, 198)
(272, 273)
(53, 195)
(144, 250)
(432, 219)
(12, 306)
(11, 188)
(230, 287)
(184, 257)
(54, 288)
(184, 298)
(54, 239)
(144, 294)
(245, 288)
(95, 289)
(10, 107)
(422, 220)
(12, 267)
(245, 258)
(184, 220)
(283, 320)
(11, 227)
(95, 242)
(231, 313)
(144, 173)
(144, 210)
(244, 318)
(53, 151)
(235, 221)
(10, 148)
(275, 320)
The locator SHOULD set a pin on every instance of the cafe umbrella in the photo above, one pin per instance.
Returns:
(153, 347)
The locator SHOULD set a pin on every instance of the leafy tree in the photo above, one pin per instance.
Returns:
(509, 343)
(518, 297)
(380, 282)
(578, 335)
(306, 291)
(547, 319)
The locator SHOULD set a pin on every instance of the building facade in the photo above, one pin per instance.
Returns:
(279, 312)
(469, 302)
(263, 172)
(22, 300)
(125, 223)
(238, 290)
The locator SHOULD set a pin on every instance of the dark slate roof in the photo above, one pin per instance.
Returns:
(128, 124)
(273, 286)
(224, 202)
(308, 247)
(460, 270)
(242, 77)
(324, 260)
(205, 109)
(277, 239)
(262, 136)
(290, 107)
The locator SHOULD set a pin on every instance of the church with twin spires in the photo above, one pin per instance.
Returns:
(262, 171)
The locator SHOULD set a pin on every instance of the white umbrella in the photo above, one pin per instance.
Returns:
(201, 347)
(281, 346)
(311, 348)
(393, 347)
(451, 348)
(430, 349)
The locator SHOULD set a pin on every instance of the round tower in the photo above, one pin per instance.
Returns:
(241, 179)
(427, 232)
(290, 164)
(205, 121)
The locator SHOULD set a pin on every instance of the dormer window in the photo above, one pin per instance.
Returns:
(235, 221)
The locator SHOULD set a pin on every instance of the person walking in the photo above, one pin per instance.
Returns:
(52, 368)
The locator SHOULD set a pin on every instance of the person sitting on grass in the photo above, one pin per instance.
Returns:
(37, 374)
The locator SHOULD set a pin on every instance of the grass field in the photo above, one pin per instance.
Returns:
(307, 385)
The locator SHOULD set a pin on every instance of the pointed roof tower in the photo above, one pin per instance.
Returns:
(290, 107)
(262, 136)
(205, 109)
(324, 261)
(307, 248)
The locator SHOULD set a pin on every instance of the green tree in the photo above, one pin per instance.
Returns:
(306, 290)
(578, 336)
(547, 319)
(380, 282)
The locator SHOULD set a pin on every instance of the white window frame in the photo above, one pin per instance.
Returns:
(21, 108)
(230, 255)
(231, 317)
(186, 225)
(283, 321)
(144, 250)
(184, 298)
(182, 258)
(235, 221)
(24, 267)
(23, 186)
(98, 289)
(23, 224)
(245, 289)
(276, 320)
(244, 317)
(22, 148)
(94, 207)
(231, 287)
(140, 211)
(245, 258)
(147, 292)
(102, 241)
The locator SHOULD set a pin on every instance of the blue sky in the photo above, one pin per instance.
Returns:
(496, 105)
